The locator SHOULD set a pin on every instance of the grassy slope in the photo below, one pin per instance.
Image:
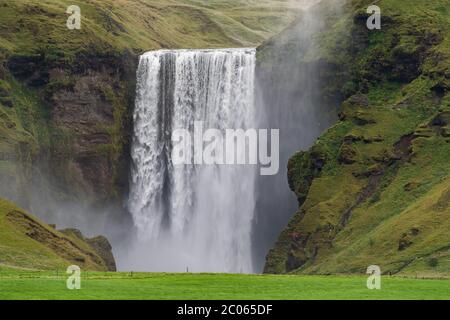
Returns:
(26, 242)
(383, 195)
(140, 25)
(45, 285)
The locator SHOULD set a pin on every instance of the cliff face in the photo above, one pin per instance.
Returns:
(88, 123)
(66, 96)
(374, 189)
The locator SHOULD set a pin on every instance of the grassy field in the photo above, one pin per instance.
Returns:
(109, 286)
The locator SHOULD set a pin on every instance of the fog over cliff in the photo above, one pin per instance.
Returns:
(289, 83)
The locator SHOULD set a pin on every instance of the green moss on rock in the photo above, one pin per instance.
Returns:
(381, 196)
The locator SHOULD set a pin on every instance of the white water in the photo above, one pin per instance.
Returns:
(196, 217)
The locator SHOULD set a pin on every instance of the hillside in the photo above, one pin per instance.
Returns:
(26, 242)
(66, 96)
(375, 188)
(140, 25)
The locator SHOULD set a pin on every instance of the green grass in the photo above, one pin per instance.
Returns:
(27, 242)
(140, 25)
(111, 286)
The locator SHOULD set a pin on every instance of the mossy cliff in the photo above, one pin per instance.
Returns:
(66, 96)
(375, 188)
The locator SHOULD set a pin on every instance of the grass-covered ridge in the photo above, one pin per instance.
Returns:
(381, 193)
(111, 286)
(140, 25)
(28, 243)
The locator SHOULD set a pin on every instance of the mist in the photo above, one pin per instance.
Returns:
(288, 91)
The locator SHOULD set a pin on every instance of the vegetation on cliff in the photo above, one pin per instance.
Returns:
(66, 96)
(375, 188)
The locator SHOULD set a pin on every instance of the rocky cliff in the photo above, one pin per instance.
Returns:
(66, 96)
(374, 189)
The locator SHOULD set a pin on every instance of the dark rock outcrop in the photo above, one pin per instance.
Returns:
(90, 119)
(99, 244)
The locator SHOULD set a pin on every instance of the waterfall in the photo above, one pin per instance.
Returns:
(192, 216)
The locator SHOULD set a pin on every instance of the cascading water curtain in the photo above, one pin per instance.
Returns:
(192, 216)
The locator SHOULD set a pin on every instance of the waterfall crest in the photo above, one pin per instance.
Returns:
(192, 216)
